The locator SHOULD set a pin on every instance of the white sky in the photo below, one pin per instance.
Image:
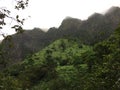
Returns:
(50, 13)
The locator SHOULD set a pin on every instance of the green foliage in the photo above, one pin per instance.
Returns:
(9, 83)
(67, 64)
(109, 61)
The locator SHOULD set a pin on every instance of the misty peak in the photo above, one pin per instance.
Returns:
(95, 15)
(70, 22)
(70, 19)
(113, 9)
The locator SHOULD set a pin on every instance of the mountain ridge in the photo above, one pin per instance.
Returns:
(96, 28)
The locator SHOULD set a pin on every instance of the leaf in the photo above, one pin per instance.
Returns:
(2, 15)
(0, 27)
(17, 16)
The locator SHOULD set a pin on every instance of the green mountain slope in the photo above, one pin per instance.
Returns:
(59, 57)
(67, 64)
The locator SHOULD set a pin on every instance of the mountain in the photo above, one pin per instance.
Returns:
(99, 27)
(67, 64)
(96, 28)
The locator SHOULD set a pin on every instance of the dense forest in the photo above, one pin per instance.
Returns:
(78, 55)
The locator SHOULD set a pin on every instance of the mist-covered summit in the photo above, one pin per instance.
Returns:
(112, 10)
(70, 22)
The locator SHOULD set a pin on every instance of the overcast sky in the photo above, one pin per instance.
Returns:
(50, 13)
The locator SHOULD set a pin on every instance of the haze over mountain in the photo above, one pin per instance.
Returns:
(96, 28)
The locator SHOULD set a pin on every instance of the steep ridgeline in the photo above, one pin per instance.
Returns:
(96, 28)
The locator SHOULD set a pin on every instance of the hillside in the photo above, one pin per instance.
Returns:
(66, 64)
(39, 68)
(96, 28)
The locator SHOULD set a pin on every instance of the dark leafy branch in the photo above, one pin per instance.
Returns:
(6, 13)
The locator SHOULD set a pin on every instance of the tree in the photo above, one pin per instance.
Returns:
(108, 63)
(6, 14)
